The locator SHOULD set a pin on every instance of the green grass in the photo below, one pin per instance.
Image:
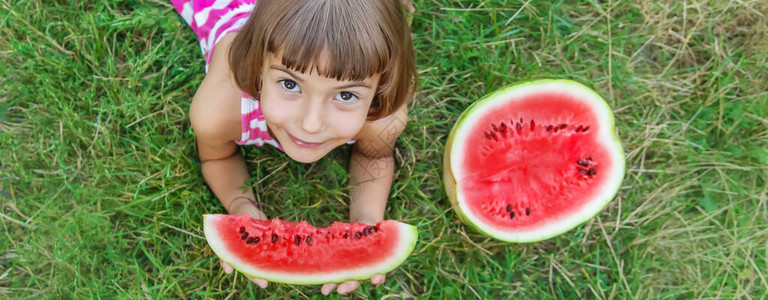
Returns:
(102, 195)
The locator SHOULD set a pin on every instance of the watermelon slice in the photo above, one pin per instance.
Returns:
(299, 253)
(533, 160)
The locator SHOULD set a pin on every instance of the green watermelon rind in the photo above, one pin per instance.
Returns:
(407, 244)
(450, 181)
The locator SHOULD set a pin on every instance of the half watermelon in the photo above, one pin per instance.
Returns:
(533, 160)
(299, 253)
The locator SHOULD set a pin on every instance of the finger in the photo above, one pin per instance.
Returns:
(328, 288)
(408, 5)
(227, 268)
(378, 279)
(260, 282)
(348, 286)
(258, 215)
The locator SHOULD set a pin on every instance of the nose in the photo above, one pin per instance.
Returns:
(312, 118)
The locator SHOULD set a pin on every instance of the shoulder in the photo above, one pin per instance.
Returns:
(215, 119)
(219, 62)
(215, 109)
(377, 138)
(215, 112)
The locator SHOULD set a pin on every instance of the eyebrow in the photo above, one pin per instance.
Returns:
(346, 86)
(280, 68)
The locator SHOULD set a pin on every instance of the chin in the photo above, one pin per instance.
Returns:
(304, 157)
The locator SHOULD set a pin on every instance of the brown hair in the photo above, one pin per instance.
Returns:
(357, 39)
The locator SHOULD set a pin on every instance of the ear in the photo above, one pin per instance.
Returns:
(374, 104)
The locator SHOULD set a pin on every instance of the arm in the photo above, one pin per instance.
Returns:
(372, 166)
(215, 118)
(370, 180)
(225, 176)
(370, 176)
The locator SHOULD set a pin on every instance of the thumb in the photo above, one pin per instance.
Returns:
(227, 268)
(257, 214)
(408, 5)
(251, 209)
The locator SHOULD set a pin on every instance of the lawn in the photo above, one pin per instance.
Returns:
(102, 194)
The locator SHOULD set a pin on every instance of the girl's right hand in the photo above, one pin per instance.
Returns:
(243, 206)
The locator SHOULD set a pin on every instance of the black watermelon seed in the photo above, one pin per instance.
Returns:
(591, 172)
(503, 127)
(579, 128)
(589, 158)
(512, 215)
(527, 211)
(509, 208)
(562, 126)
(487, 136)
(582, 163)
(549, 128)
(585, 128)
(358, 235)
(366, 232)
(519, 126)
(493, 135)
(242, 229)
(375, 229)
(256, 240)
(298, 240)
(309, 240)
(274, 238)
(582, 171)
(244, 235)
(346, 235)
(493, 126)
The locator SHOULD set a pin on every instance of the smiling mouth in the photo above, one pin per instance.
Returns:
(302, 143)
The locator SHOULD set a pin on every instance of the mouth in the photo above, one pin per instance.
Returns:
(303, 143)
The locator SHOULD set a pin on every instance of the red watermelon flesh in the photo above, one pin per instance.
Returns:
(300, 253)
(533, 160)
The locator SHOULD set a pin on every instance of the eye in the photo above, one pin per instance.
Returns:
(290, 85)
(346, 97)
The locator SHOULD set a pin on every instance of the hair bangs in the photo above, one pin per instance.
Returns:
(347, 40)
(333, 38)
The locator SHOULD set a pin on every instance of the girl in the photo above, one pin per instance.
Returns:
(304, 76)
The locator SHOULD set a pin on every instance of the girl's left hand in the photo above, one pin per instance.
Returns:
(408, 5)
(349, 286)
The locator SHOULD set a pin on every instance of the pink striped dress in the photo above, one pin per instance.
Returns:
(211, 20)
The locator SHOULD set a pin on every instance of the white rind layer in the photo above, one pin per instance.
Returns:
(404, 247)
(606, 136)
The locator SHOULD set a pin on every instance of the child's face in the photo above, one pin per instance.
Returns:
(310, 114)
